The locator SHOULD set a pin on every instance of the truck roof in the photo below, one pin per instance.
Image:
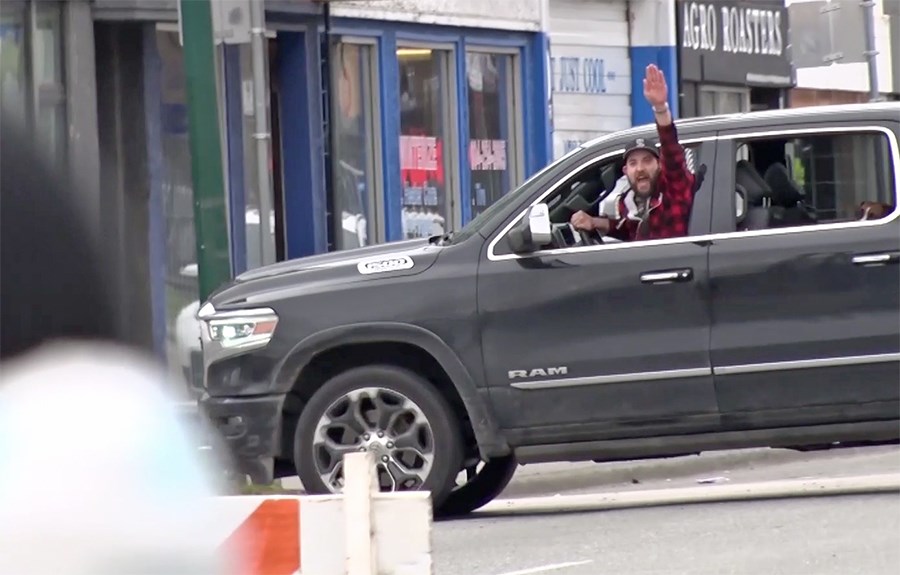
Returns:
(851, 112)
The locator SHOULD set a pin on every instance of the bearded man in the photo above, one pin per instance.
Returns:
(658, 203)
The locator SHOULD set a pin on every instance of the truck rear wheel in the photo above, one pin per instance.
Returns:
(481, 487)
(390, 411)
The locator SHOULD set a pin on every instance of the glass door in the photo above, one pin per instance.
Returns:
(495, 149)
(427, 162)
(356, 204)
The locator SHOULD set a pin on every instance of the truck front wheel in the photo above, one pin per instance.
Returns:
(390, 411)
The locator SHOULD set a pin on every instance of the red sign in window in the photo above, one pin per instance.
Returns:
(421, 160)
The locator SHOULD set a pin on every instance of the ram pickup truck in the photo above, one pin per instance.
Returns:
(774, 322)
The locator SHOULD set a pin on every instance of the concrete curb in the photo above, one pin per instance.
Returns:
(883, 483)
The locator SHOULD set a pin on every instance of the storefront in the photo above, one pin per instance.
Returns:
(429, 123)
(381, 129)
(734, 56)
(590, 71)
(145, 158)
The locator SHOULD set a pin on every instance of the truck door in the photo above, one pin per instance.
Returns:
(805, 296)
(590, 342)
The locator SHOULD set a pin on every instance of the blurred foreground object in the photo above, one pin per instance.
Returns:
(97, 472)
(98, 475)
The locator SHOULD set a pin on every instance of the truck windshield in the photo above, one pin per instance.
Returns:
(507, 199)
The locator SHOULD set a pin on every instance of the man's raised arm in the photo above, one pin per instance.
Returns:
(672, 158)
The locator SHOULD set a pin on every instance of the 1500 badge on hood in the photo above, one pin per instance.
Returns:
(384, 264)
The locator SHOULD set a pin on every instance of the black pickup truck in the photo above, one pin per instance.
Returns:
(516, 339)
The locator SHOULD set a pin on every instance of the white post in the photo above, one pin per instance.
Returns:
(360, 482)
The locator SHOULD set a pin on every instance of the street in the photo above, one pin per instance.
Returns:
(724, 466)
(819, 535)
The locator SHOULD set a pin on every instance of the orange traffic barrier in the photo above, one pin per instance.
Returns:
(267, 542)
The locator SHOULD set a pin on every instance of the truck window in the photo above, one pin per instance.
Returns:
(596, 189)
(814, 179)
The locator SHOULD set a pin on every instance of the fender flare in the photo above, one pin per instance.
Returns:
(490, 440)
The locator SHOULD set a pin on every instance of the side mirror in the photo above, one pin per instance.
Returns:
(532, 232)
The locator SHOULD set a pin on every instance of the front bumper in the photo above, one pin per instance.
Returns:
(250, 430)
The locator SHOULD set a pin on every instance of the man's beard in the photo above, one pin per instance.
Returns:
(651, 189)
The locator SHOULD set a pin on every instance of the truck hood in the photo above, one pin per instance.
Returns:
(370, 263)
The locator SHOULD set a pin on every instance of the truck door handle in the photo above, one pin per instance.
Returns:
(668, 276)
(875, 259)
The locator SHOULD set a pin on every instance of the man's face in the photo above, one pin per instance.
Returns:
(642, 169)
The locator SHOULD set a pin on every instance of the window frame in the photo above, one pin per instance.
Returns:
(723, 227)
(515, 103)
(40, 98)
(450, 119)
(722, 173)
(716, 90)
(376, 227)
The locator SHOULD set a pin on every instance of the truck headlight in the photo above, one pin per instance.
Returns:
(239, 329)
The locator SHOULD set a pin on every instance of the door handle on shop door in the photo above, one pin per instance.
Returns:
(667, 276)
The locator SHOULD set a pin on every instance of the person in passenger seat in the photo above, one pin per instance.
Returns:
(661, 195)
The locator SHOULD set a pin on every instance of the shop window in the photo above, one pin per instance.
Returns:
(814, 179)
(32, 85)
(12, 57)
(493, 136)
(355, 205)
(716, 101)
(426, 101)
(47, 71)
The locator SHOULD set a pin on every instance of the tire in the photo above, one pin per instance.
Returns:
(397, 395)
(481, 490)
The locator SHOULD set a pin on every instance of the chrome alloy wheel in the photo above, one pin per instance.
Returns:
(384, 422)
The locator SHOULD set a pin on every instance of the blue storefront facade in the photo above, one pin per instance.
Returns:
(388, 130)
(427, 126)
(381, 129)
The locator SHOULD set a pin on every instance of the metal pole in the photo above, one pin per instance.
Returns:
(327, 97)
(871, 53)
(262, 134)
(210, 218)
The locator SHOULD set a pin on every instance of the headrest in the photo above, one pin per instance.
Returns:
(745, 175)
(609, 176)
(785, 192)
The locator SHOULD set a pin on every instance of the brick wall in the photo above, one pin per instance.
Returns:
(802, 97)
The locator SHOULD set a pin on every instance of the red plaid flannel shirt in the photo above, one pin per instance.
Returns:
(670, 206)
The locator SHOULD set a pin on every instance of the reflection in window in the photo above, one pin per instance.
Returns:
(491, 117)
(12, 58)
(424, 145)
(47, 71)
(354, 211)
(31, 73)
(715, 102)
(707, 103)
(177, 191)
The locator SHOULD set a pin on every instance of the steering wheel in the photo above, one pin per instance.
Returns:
(591, 238)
